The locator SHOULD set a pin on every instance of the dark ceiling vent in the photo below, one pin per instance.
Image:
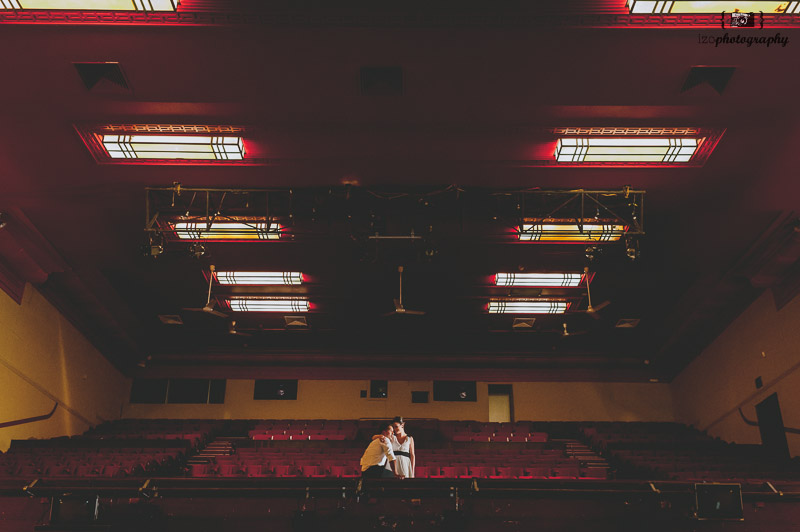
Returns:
(381, 81)
(523, 324)
(170, 319)
(295, 321)
(103, 77)
(716, 76)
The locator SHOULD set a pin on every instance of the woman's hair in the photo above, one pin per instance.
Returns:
(399, 419)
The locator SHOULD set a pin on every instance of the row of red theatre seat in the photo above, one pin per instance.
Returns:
(292, 436)
(534, 437)
(55, 463)
(678, 452)
(286, 424)
(352, 470)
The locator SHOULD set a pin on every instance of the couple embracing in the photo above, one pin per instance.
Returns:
(391, 452)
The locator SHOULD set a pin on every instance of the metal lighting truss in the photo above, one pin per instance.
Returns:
(249, 210)
(584, 208)
(262, 209)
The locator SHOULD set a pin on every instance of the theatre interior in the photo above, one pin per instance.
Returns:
(560, 240)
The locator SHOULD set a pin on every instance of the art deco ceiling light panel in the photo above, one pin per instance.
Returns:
(165, 144)
(566, 280)
(520, 306)
(634, 146)
(560, 231)
(93, 5)
(718, 6)
(625, 149)
(259, 278)
(253, 304)
(226, 229)
(173, 147)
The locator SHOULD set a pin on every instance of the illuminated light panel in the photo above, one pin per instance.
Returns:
(173, 147)
(268, 305)
(259, 278)
(226, 230)
(569, 280)
(625, 149)
(679, 6)
(568, 231)
(93, 5)
(528, 307)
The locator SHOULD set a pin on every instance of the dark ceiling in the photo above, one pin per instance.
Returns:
(450, 153)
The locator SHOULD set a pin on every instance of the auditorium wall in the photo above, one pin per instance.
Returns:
(762, 342)
(340, 399)
(45, 361)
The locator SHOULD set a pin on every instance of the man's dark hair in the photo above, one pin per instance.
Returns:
(385, 425)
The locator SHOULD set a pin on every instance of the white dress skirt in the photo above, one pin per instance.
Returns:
(402, 463)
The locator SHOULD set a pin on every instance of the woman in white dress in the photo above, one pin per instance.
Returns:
(403, 447)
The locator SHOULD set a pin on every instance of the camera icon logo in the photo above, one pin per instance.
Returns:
(743, 20)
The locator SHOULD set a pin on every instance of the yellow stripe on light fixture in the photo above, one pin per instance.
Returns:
(625, 149)
(173, 147)
(555, 231)
(226, 230)
(569, 280)
(93, 5)
(527, 307)
(729, 6)
(259, 278)
(268, 305)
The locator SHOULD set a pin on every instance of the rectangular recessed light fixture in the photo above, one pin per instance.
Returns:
(567, 231)
(569, 280)
(173, 147)
(510, 306)
(251, 304)
(678, 6)
(226, 230)
(259, 278)
(625, 149)
(93, 5)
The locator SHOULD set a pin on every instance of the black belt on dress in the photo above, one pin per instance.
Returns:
(402, 453)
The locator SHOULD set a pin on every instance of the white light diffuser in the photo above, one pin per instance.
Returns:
(729, 6)
(527, 307)
(625, 149)
(569, 280)
(554, 231)
(259, 278)
(226, 230)
(93, 5)
(268, 305)
(173, 147)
